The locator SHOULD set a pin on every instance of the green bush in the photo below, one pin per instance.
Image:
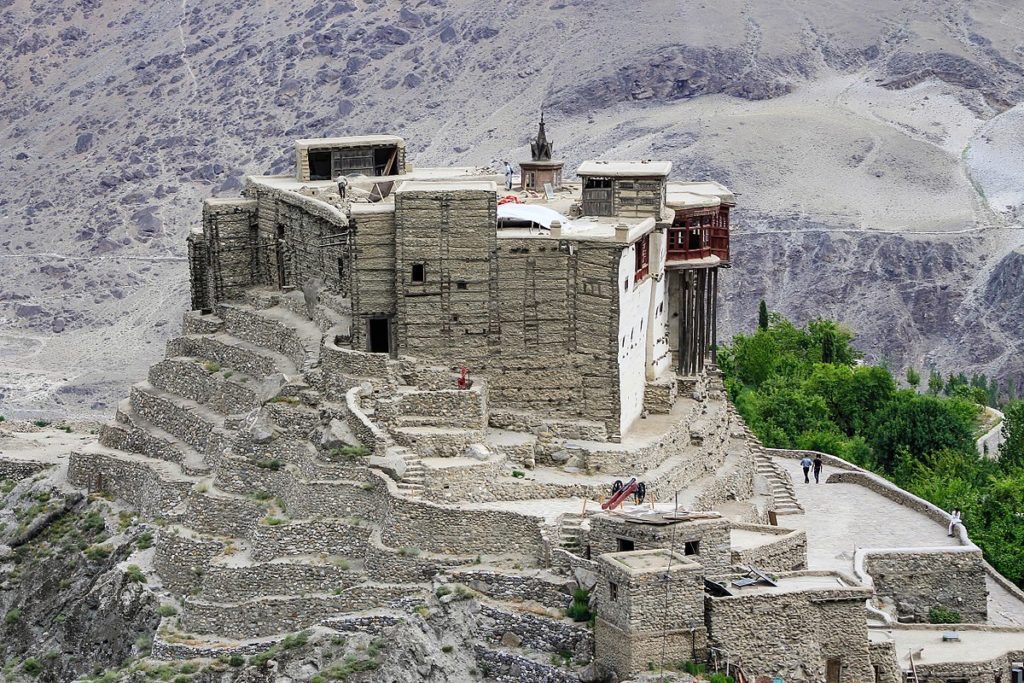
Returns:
(579, 608)
(167, 610)
(944, 615)
(236, 660)
(31, 666)
(145, 540)
(273, 464)
(211, 366)
(693, 668)
(518, 474)
(719, 678)
(134, 574)
(12, 617)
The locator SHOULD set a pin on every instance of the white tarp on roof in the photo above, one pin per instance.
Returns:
(541, 215)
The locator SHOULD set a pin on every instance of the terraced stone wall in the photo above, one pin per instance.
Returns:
(130, 481)
(516, 587)
(538, 633)
(317, 537)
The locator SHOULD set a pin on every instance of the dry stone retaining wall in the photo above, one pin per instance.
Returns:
(787, 552)
(917, 580)
(537, 633)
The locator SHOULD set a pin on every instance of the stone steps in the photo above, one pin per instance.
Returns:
(570, 532)
(779, 482)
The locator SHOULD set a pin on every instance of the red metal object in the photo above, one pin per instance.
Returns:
(464, 378)
(509, 199)
(623, 493)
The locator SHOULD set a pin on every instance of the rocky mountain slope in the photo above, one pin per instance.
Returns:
(875, 149)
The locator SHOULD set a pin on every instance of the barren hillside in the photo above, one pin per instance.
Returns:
(876, 148)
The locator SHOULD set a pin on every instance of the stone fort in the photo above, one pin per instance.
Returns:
(396, 378)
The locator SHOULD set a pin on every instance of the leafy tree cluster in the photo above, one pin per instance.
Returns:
(807, 388)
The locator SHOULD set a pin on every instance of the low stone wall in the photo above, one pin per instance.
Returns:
(508, 667)
(548, 590)
(729, 483)
(191, 380)
(517, 421)
(319, 537)
(132, 482)
(219, 514)
(178, 651)
(392, 565)
(261, 330)
(368, 433)
(20, 469)
(186, 424)
(241, 359)
(314, 499)
(125, 435)
(455, 531)
(536, 632)
(456, 408)
(786, 553)
(977, 668)
(918, 579)
(239, 584)
(265, 616)
(182, 561)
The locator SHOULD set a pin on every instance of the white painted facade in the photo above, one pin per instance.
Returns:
(643, 332)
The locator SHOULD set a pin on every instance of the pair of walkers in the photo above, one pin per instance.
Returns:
(807, 464)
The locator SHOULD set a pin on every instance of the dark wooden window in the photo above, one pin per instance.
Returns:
(320, 164)
(691, 548)
(419, 273)
(597, 196)
(625, 545)
(642, 258)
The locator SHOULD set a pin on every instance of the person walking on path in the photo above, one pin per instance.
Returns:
(806, 464)
(508, 176)
(954, 519)
(817, 469)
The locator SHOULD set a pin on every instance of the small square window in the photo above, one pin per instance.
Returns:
(613, 590)
(625, 545)
(691, 548)
(419, 272)
(461, 284)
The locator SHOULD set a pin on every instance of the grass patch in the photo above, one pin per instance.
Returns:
(579, 609)
(167, 610)
(409, 551)
(349, 453)
(943, 615)
(273, 464)
(211, 366)
(41, 423)
(12, 617)
(134, 574)
(144, 541)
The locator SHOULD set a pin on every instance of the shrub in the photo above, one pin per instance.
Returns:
(236, 660)
(134, 574)
(442, 591)
(409, 551)
(97, 552)
(295, 640)
(693, 668)
(12, 617)
(579, 609)
(31, 666)
(518, 474)
(41, 423)
(273, 464)
(211, 366)
(719, 678)
(274, 521)
(349, 453)
(166, 610)
(446, 649)
(943, 615)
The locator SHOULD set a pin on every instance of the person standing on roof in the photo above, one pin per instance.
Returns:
(508, 176)
(817, 468)
(806, 464)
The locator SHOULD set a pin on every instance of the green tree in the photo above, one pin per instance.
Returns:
(913, 378)
(762, 315)
(920, 425)
(755, 357)
(934, 382)
(1011, 451)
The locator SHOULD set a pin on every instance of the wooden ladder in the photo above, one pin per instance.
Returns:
(912, 674)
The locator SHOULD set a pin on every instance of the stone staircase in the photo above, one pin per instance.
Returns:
(779, 482)
(570, 532)
(412, 480)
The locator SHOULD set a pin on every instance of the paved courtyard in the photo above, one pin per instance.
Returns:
(839, 518)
